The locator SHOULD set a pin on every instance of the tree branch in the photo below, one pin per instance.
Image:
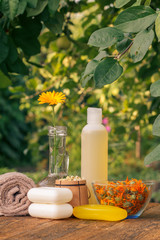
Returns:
(126, 50)
(39, 92)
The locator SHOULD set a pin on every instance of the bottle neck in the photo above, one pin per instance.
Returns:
(94, 123)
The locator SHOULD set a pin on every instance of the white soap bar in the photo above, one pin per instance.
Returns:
(50, 210)
(50, 195)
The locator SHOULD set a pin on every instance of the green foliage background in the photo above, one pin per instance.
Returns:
(43, 46)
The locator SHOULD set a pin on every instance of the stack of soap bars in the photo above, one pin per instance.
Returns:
(50, 202)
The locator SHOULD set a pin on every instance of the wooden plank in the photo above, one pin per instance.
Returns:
(65, 229)
(15, 225)
(27, 228)
(146, 227)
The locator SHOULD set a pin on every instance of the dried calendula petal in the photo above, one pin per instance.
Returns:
(127, 204)
(111, 204)
(127, 190)
(117, 199)
(108, 198)
(132, 182)
(140, 197)
(128, 210)
(111, 192)
(133, 197)
(129, 194)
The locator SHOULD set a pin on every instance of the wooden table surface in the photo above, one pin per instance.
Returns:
(146, 227)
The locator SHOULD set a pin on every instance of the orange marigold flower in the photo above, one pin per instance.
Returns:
(53, 98)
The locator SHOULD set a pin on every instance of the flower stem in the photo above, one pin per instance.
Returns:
(53, 116)
(54, 143)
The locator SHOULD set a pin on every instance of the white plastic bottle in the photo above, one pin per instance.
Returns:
(94, 150)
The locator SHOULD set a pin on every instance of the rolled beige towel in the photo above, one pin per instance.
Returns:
(13, 194)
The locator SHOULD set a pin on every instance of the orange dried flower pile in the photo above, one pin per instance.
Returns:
(129, 194)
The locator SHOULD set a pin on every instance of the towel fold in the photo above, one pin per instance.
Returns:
(14, 187)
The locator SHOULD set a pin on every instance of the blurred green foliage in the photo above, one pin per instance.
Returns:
(56, 61)
(12, 131)
(133, 33)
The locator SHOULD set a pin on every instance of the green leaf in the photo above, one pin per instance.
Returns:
(69, 84)
(4, 80)
(46, 38)
(3, 68)
(21, 7)
(90, 67)
(135, 19)
(89, 72)
(18, 67)
(147, 3)
(156, 126)
(153, 156)
(3, 46)
(32, 3)
(35, 64)
(138, 3)
(53, 5)
(55, 23)
(86, 79)
(105, 37)
(39, 8)
(17, 89)
(122, 45)
(32, 83)
(13, 54)
(155, 89)
(157, 27)
(10, 8)
(101, 55)
(141, 43)
(26, 36)
(107, 72)
(121, 3)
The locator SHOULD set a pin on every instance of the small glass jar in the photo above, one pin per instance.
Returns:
(58, 156)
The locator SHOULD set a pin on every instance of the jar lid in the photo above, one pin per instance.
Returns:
(70, 183)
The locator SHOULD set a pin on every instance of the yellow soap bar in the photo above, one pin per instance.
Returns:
(100, 212)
